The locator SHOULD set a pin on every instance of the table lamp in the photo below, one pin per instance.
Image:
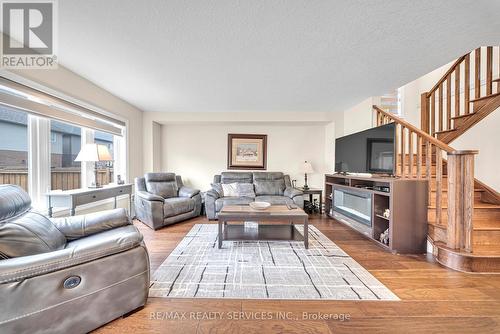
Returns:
(94, 153)
(306, 169)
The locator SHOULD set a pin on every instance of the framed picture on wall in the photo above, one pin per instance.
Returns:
(246, 151)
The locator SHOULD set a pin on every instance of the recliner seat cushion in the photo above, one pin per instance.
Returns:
(220, 202)
(177, 205)
(29, 234)
(274, 200)
(162, 184)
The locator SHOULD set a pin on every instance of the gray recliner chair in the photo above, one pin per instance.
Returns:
(67, 275)
(162, 199)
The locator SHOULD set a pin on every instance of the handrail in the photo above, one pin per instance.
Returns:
(419, 132)
(445, 76)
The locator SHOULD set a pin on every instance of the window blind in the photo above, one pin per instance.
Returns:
(42, 104)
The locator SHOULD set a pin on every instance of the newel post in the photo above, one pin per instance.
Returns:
(460, 199)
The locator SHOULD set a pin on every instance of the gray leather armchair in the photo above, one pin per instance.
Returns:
(67, 275)
(162, 199)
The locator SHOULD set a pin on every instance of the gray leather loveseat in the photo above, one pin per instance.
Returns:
(162, 199)
(67, 275)
(272, 187)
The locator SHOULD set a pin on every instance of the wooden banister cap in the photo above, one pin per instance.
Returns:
(463, 152)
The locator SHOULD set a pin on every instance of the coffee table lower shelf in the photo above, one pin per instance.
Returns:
(238, 232)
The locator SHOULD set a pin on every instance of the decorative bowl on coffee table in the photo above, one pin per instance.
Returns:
(260, 205)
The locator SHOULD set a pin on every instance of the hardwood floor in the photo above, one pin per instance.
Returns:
(433, 299)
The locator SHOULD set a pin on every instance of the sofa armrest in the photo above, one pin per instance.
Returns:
(188, 192)
(76, 227)
(212, 193)
(292, 192)
(149, 197)
(76, 252)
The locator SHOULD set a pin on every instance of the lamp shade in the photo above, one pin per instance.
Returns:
(307, 168)
(94, 152)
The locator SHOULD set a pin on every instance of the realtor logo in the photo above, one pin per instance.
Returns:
(28, 34)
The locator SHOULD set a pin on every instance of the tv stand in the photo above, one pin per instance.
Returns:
(406, 200)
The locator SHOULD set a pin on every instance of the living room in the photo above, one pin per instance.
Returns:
(249, 167)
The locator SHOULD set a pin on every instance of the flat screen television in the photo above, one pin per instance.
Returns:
(369, 151)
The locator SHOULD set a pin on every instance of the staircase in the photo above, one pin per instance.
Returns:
(463, 213)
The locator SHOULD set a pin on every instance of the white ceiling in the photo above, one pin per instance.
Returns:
(265, 55)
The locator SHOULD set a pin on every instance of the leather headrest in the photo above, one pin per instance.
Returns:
(239, 177)
(14, 201)
(267, 176)
(159, 177)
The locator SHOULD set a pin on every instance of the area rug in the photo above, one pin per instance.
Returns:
(263, 270)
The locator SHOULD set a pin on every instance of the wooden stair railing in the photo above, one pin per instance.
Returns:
(446, 117)
(418, 145)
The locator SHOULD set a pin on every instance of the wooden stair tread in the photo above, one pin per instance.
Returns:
(444, 131)
(489, 251)
(485, 97)
(464, 115)
(436, 224)
(496, 80)
(477, 190)
(477, 205)
(478, 224)
(487, 228)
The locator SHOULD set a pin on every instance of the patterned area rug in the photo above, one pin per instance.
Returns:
(263, 270)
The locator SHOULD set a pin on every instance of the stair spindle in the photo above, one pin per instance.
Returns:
(477, 74)
(410, 152)
(439, 184)
(467, 84)
(457, 92)
(440, 106)
(433, 114)
(403, 143)
(448, 102)
(489, 70)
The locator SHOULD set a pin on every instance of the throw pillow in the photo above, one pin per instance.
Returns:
(230, 189)
(217, 187)
(238, 190)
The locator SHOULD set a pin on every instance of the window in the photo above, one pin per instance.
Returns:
(66, 141)
(13, 147)
(393, 102)
(39, 145)
(105, 168)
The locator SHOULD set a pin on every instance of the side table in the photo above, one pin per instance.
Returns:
(311, 192)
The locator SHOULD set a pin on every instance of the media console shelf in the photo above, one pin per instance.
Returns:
(361, 203)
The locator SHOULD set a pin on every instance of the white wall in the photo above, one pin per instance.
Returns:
(199, 151)
(354, 119)
(485, 137)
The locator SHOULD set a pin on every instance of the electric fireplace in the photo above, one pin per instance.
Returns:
(355, 204)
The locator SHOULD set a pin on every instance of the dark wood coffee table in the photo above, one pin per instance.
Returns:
(268, 221)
